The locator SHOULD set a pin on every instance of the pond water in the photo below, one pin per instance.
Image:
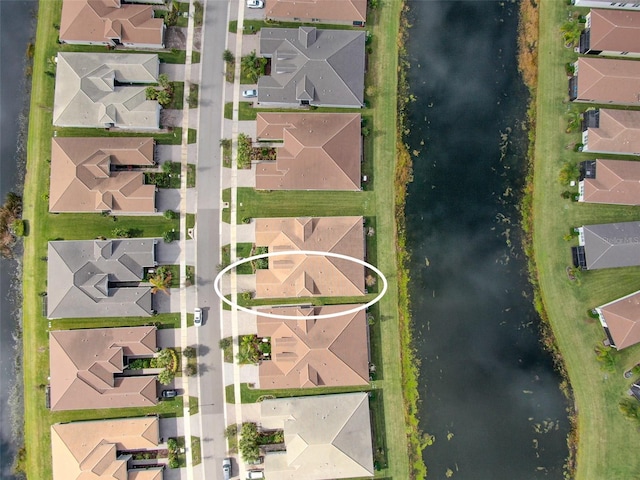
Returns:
(17, 26)
(489, 392)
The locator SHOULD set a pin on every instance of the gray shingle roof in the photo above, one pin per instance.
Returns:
(612, 245)
(323, 67)
(82, 275)
(89, 90)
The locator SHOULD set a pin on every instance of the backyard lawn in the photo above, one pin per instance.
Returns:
(606, 441)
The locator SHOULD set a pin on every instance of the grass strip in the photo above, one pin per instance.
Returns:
(246, 110)
(266, 204)
(251, 27)
(171, 137)
(253, 395)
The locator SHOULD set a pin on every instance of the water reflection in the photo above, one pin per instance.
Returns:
(490, 395)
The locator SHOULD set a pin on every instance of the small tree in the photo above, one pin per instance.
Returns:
(169, 236)
(161, 280)
(165, 377)
(189, 352)
(570, 171)
(163, 80)
(151, 93)
(190, 370)
(227, 56)
(164, 98)
(170, 215)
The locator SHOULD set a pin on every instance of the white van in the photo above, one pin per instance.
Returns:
(255, 475)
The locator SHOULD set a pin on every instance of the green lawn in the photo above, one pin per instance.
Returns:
(165, 56)
(171, 407)
(318, 301)
(162, 320)
(252, 395)
(243, 250)
(171, 137)
(177, 102)
(192, 136)
(246, 111)
(87, 226)
(264, 204)
(251, 27)
(606, 441)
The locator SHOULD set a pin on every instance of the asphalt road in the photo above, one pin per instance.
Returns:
(212, 403)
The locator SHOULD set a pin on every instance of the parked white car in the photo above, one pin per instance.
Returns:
(255, 3)
(250, 93)
(197, 316)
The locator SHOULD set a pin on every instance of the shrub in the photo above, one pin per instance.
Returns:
(170, 215)
(120, 232)
(170, 236)
(18, 227)
(165, 377)
(190, 370)
(190, 352)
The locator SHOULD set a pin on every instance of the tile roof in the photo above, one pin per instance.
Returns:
(614, 31)
(89, 90)
(320, 151)
(622, 318)
(83, 178)
(87, 366)
(605, 80)
(312, 353)
(85, 278)
(93, 450)
(306, 276)
(616, 182)
(321, 67)
(326, 436)
(103, 21)
(612, 245)
(618, 132)
(324, 10)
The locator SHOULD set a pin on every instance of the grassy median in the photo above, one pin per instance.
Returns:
(606, 442)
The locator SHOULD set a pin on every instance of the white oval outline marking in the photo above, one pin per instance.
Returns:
(216, 285)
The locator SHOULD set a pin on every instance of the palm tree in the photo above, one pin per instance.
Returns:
(161, 280)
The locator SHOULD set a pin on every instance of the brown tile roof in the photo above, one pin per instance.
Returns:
(308, 276)
(604, 80)
(614, 31)
(93, 450)
(616, 182)
(320, 151)
(83, 178)
(622, 318)
(618, 132)
(338, 10)
(86, 366)
(92, 21)
(313, 353)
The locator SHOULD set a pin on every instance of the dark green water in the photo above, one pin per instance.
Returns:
(489, 392)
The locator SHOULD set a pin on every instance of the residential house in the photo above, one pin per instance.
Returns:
(611, 131)
(309, 66)
(101, 175)
(326, 436)
(319, 151)
(111, 23)
(611, 32)
(623, 5)
(88, 368)
(308, 353)
(104, 90)
(610, 181)
(104, 449)
(605, 80)
(620, 320)
(607, 246)
(343, 12)
(99, 278)
(299, 275)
